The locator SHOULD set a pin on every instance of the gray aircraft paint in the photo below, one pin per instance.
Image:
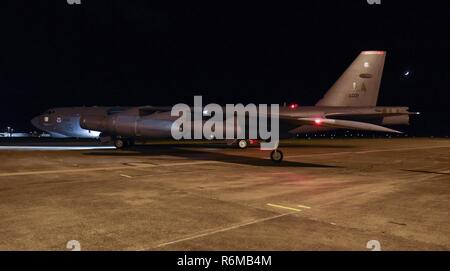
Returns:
(352, 99)
(359, 84)
(65, 121)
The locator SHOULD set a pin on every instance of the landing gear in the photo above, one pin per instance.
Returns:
(119, 143)
(242, 144)
(276, 156)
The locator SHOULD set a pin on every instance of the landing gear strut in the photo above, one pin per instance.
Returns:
(276, 156)
(130, 142)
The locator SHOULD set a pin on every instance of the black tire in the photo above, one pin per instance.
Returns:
(242, 144)
(276, 156)
(120, 143)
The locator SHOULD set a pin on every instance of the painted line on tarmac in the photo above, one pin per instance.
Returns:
(217, 230)
(126, 176)
(79, 170)
(283, 207)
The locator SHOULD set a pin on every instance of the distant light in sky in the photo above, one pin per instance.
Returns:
(407, 73)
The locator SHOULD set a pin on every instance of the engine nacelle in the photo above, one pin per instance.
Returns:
(128, 125)
(95, 123)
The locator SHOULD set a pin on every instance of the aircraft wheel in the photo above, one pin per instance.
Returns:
(276, 156)
(242, 144)
(119, 143)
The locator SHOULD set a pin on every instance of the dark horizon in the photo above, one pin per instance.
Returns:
(132, 53)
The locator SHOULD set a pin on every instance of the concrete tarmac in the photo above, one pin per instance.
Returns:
(326, 195)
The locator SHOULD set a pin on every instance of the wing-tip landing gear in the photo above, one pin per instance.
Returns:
(276, 156)
(242, 144)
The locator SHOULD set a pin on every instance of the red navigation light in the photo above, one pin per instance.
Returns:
(293, 106)
(318, 121)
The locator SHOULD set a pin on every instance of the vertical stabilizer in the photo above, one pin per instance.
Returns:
(359, 84)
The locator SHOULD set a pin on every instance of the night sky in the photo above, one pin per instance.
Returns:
(111, 52)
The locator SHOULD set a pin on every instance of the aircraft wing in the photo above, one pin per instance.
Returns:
(319, 122)
(349, 115)
(149, 110)
(342, 124)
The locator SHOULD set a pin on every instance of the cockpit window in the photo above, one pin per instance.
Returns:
(49, 112)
